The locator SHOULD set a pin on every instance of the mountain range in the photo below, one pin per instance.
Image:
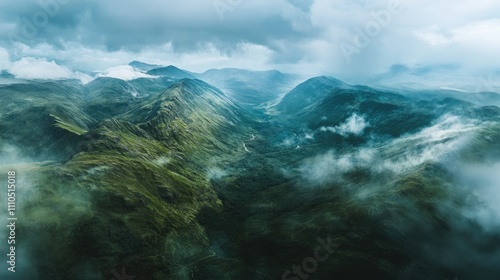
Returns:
(238, 174)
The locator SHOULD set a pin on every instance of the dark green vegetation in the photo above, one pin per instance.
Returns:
(172, 179)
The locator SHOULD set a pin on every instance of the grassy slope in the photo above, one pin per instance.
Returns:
(141, 179)
(137, 195)
(44, 119)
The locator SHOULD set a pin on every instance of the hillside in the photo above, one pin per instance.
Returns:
(175, 179)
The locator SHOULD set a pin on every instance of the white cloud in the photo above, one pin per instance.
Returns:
(354, 125)
(483, 181)
(433, 36)
(4, 59)
(124, 72)
(436, 143)
(89, 59)
(463, 33)
(330, 167)
(439, 142)
(41, 68)
(161, 161)
(34, 68)
(216, 173)
(474, 35)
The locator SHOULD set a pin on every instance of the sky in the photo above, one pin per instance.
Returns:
(310, 37)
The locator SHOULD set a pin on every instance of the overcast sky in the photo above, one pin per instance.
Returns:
(311, 37)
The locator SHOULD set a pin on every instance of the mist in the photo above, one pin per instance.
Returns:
(46, 215)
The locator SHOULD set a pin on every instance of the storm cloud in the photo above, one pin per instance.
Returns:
(311, 37)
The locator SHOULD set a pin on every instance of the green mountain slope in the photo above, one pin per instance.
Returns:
(143, 178)
(171, 72)
(173, 179)
(43, 119)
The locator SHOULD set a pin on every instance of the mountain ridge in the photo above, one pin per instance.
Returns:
(185, 181)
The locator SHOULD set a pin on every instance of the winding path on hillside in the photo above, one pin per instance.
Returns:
(244, 144)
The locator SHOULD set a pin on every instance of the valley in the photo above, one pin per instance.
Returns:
(174, 178)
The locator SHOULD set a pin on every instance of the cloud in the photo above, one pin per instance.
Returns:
(33, 68)
(87, 59)
(483, 183)
(407, 38)
(124, 72)
(474, 35)
(288, 35)
(187, 26)
(216, 173)
(354, 125)
(438, 143)
(433, 36)
(331, 166)
(40, 68)
(4, 59)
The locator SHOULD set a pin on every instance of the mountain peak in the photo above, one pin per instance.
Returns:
(326, 80)
(171, 72)
(143, 66)
(196, 86)
(309, 92)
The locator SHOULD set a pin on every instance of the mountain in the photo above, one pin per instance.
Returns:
(6, 75)
(108, 97)
(143, 66)
(309, 92)
(177, 179)
(480, 98)
(171, 72)
(7, 78)
(148, 86)
(250, 87)
(42, 119)
(439, 82)
(434, 77)
(404, 73)
(362, 167)
(328, 104)
(189, 113)
(176, 137)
